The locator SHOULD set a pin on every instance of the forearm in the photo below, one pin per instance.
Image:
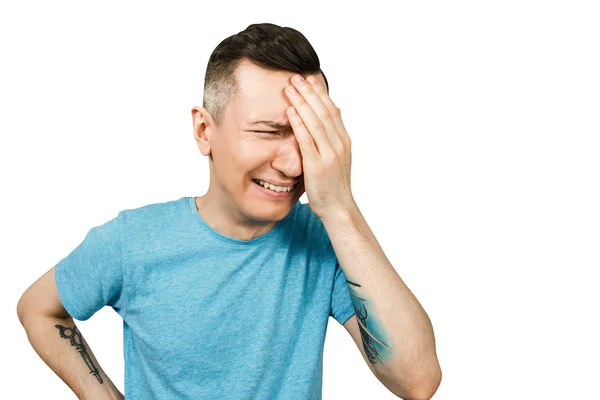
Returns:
(397, 333)
(71, 359)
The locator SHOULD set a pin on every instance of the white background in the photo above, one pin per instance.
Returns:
(475, 129)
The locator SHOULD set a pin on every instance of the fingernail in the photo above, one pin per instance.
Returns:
(298, 79)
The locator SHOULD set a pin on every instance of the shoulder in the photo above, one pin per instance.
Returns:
(307, 216)
(152, 216)
(313, 227)
(153, 210)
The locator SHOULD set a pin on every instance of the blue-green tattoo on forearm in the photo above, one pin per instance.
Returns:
(373, 337)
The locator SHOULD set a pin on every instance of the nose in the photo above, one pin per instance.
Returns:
(288, 158)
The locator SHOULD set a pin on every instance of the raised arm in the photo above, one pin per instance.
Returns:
(57, 340)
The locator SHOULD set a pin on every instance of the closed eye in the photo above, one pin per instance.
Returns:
(276, 132)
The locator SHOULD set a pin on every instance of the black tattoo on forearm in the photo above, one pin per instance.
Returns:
(369, 340)
(77, 340)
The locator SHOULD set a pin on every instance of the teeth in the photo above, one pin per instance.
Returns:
(273, 187)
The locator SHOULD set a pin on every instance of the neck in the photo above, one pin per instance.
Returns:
(228, 220)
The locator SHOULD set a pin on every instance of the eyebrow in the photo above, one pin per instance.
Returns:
(271, 124)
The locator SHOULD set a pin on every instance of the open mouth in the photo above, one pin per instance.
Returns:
(273, 188)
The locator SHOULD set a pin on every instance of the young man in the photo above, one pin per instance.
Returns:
(228, 295)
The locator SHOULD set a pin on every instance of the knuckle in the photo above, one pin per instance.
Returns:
(325, 114)
(328, 161)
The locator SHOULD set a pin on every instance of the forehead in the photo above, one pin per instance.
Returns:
(261, 93)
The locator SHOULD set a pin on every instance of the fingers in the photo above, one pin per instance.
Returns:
(334, 111)
(303, 137)
(316, 117)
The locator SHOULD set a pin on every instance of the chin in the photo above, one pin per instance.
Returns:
(277, 212)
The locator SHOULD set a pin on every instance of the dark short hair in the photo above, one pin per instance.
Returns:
(267, 45)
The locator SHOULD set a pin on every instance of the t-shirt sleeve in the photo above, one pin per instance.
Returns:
(91, 277)
(341, 303)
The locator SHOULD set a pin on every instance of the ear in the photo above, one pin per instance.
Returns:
(203, 125)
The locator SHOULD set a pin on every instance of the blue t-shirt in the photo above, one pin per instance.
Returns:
(207, 316)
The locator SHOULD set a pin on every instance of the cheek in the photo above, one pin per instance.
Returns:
(255, 152)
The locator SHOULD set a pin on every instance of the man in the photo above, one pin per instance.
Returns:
(228, 295)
